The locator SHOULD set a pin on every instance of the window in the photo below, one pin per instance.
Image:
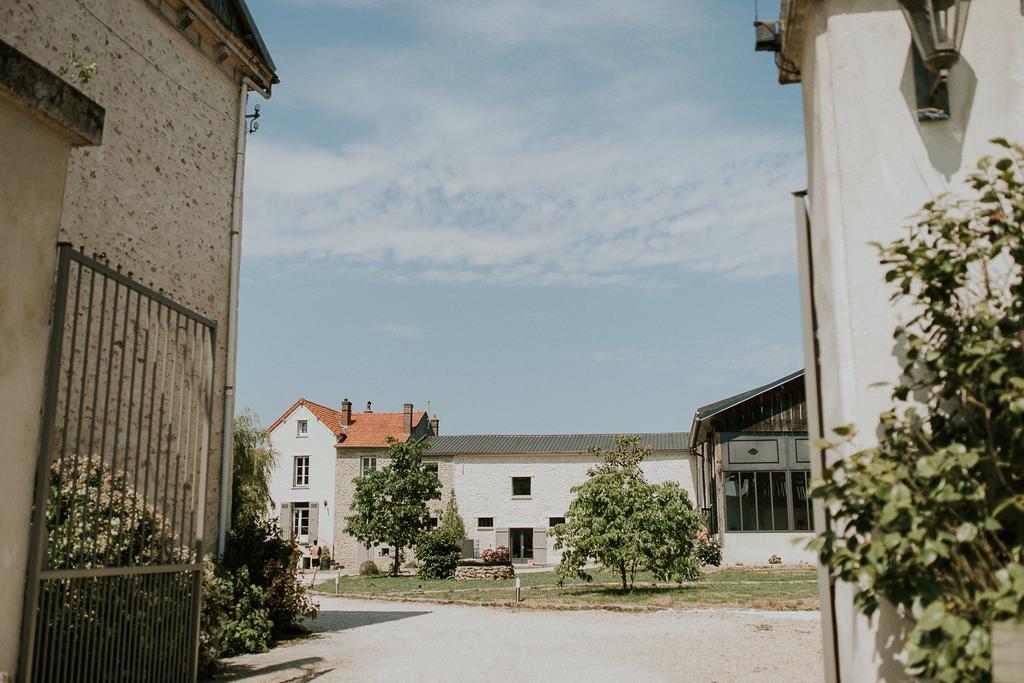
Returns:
(432, 523)
(385, 552)
(521, 486)
(767, 501)
(485, 522)
(555, 521)
(430, 467)
(300, 520)
(368, 464)
(303, 428)
(301, 471)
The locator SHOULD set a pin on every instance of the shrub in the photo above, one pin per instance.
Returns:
(233, 618)
(709, 552)
(369, 568)
(437, 554)
(272, 564)
(775, 559)
(931, 520)
(325, 558)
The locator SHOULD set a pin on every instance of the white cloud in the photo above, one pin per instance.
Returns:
(565, 166)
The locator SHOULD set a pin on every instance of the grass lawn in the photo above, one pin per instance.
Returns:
(754, 588)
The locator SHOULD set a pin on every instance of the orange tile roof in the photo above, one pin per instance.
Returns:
(366, 429)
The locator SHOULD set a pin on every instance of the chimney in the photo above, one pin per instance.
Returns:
(346, 413)
(435, 425)
(407, 418)
(369, 409)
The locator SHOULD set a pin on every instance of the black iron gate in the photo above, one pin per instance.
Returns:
(115, 563)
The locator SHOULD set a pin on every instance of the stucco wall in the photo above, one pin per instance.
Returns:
(871, 165)
(757, 548)
(319, 446)
(484, 487)
(32, 176)
(156, 196)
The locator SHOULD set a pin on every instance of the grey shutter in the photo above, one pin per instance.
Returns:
(286, 521)
(314, 519)
(501, 537)
(540, 546)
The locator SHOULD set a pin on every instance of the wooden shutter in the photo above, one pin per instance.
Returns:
(501, 537)
(286, 521)
(314, 520)
(540, 546)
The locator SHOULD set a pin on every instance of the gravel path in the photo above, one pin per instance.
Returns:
(357, 640)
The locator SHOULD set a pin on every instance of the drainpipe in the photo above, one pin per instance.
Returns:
(227, 448)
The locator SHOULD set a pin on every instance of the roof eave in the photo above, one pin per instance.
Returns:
(794, 15)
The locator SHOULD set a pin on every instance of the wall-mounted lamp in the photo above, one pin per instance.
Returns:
(254, 124)
(768, 36)
(937, 28)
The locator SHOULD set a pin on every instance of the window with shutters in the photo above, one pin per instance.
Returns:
(301, 471)
(300, 520)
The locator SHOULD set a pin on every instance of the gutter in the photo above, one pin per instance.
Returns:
(227, 429)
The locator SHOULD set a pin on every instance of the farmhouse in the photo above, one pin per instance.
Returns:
(320, 451)
(513, 488)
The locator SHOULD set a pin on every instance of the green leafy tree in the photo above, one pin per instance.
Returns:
(254, 460)
(390, 504)
(624, 523)
(931, 520)
(452, 524)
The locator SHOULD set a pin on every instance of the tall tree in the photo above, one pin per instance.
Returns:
(624, 523)
(255, 458)
(390, 504)
(452, 524)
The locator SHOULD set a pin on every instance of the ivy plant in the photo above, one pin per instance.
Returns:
(931, 520)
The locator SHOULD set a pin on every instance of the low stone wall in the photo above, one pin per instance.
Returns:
(484, 571)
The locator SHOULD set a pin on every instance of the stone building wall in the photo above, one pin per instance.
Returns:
(155, 198)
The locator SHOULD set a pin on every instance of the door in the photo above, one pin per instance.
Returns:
(522, 544)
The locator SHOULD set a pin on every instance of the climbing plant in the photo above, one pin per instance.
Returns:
(931, 520)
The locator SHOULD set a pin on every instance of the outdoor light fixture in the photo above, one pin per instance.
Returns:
(254, 123)
(768, 36)
(937, 28)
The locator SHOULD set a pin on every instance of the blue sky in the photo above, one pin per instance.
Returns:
(541, 217)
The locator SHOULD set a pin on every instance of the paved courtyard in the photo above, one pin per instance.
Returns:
(357, 640)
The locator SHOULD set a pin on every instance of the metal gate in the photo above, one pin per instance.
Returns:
(115, 563)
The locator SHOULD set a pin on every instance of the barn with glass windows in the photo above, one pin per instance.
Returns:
(754, 459)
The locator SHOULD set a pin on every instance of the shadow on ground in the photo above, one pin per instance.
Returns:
(302, 669)
(343, 620)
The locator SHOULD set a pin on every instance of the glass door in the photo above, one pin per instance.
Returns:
(521, 547)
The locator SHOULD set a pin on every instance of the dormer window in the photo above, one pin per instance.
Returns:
(303, 428)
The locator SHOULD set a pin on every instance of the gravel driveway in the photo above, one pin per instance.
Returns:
(359, 640)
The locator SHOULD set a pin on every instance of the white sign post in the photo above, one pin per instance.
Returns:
(519, 589)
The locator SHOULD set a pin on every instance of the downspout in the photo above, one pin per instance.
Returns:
(227, 429)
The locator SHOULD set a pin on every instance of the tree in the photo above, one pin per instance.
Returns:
(254, 460)
(390, 504)
(624, 523)
(931, 520)
(452, 524)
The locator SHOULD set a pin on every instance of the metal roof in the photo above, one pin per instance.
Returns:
(481, 444)
(712, 409)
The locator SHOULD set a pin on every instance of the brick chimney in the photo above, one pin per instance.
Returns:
(407, 418)
(435, 425)
(346, 413)
(369, 407)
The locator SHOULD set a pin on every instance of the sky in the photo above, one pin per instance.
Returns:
(535, 217)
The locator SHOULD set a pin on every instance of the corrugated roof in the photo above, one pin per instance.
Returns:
(481, 444)
(711, 409)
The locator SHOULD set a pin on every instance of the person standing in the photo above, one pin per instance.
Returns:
(314, 555)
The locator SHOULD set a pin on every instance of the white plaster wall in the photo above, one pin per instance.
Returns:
(319, 446)
(871, 165)
(32, 176)
(483, 484)
(756, 548)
